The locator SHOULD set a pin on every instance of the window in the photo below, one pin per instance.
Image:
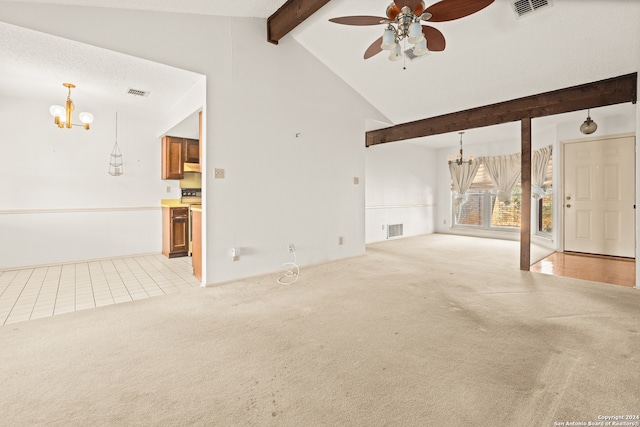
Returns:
(544, 210)
(545, 214)
(483, 210)
(506, 215)
(471, 212)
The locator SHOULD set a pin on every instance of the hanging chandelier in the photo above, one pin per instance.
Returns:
(589, 126)
(459, 159)
(62, 115)
(404, 24)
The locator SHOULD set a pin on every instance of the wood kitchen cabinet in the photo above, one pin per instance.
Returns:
(192, 151)
(175, 153)
(175, 231)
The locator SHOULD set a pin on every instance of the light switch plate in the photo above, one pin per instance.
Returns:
(218, 173)
(356, 180)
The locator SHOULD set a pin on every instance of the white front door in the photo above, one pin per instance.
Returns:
(599, 196)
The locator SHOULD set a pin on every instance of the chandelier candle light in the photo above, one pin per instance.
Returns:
(62, 115)
(459, 159)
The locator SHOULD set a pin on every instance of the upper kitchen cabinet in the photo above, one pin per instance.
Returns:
(192, 151)
(175, 153)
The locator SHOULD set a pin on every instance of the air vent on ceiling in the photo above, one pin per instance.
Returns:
(409, 54)
(525, 7)
(394, 230)
(138, 92)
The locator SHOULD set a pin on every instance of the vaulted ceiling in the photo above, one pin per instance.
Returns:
(491, 56)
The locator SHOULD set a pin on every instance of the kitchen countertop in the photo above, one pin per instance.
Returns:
(196, 208)
(173, 203)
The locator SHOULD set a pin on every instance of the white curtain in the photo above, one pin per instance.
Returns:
(461, 179)
(504, 171)
(539, 165)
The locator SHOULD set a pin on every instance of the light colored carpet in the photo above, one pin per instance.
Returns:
(428, 331)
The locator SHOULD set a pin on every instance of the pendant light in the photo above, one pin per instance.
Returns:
(62, 115)
(115, 161)
(459, 159)
(589, 126)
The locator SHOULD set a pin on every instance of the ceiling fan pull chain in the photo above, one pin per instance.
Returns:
(404, 55)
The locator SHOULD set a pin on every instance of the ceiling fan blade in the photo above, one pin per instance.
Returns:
(449, 10)
(435, 39)
(358, 20)
(374, 49)
(413, 4)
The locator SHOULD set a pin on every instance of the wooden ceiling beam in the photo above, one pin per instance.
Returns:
(616, 90)
(289, 16)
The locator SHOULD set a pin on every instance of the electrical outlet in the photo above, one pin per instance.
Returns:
(383, 226)
(235, 254)
(218, 173)
(290, 248)
(444, 222)
(356, 180)
(168, 189)
(340, 240)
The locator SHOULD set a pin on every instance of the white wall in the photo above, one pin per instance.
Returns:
(400, 189)
(57, 200)
(278, 188)
(290, 136)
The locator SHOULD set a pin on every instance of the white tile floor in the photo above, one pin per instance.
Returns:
(32, 293)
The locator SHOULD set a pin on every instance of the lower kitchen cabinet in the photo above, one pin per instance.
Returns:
(175, 231)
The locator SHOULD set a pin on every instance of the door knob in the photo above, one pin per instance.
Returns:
(568, 197)
(568, 206)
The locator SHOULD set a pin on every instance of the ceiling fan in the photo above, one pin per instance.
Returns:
(404, 19)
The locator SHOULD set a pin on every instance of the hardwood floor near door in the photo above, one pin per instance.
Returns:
(597, 268)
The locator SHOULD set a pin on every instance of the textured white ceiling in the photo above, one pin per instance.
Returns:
(245, 8)
(491, 56)
(34, 65)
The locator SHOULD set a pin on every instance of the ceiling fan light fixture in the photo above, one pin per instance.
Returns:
(388, 39)
(403, 22)
(415, 32)
(589, 126)
(395, 54)
(420, 49)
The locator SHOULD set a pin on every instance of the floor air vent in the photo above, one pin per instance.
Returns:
(525, 7)
(394, 230)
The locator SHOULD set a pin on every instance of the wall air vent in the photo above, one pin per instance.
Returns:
(394, 230)
(526, 7)
(138, 92)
